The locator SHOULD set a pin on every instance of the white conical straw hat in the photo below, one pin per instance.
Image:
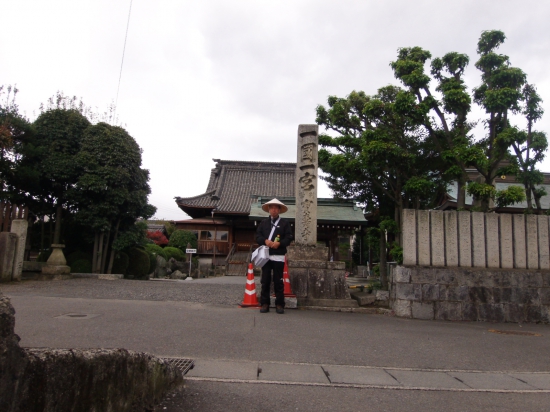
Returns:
(265, 206)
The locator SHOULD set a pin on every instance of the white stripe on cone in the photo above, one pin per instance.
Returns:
(250, 292)
(250, 282)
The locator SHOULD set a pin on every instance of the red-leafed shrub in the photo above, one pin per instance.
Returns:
(158, 238)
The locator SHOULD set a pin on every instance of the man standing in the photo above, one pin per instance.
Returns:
(276, 234)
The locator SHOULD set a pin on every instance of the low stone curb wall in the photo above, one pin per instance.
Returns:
(496, 295)
(368, 311)
(102, 276)
(77, 380)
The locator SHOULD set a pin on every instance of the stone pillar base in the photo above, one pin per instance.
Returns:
(328, 303)
(316, 282)
(55, 272)
(54, 277)
(290, 302)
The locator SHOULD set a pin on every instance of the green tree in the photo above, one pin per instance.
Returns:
(530, 148)
(16, 135)
(499, 94)
(180, 239)
(380, 155)
(59, 134)
(112, 188)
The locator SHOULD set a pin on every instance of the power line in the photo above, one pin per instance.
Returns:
(123, 52)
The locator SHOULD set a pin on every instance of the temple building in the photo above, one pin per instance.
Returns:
(225, 216)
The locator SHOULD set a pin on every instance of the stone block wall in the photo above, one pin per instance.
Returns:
(47, 380)
(475, 239)
(472, 294)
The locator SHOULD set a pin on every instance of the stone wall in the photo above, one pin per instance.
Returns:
(472, 294)
(475, 239)
(85, 380)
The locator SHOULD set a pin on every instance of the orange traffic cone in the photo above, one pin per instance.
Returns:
(250, 300)
(286, 281)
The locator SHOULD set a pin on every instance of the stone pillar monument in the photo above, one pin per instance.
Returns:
(307, 163)
(315, 280)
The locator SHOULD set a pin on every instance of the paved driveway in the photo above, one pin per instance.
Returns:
(297, 355)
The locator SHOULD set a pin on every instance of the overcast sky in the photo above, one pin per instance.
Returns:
(233, 79)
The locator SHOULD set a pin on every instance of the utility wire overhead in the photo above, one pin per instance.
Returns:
(123, 52)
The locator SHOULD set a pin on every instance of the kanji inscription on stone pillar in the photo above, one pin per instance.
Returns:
(306, 184)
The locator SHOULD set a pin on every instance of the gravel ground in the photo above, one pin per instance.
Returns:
(187, 291)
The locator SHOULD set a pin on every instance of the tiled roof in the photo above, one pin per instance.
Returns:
(232, 184)
(152, 227)
(328, 211)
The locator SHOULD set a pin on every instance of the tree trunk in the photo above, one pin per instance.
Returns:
(94, 255)
(58, 215)
(461, 195)
(51, 230)
(398, 218)
(104, 253)
(537, 202)
(383, 260)
(112, 258)
(99, 252)
(528, 194)
(42, 234)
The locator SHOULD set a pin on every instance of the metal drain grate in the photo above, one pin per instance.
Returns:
(514, 332)
(183, 364)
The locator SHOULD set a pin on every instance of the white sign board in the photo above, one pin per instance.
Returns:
(190, 250)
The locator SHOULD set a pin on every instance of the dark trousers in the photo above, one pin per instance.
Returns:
(278, 285)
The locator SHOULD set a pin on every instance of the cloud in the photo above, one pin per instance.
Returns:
(233, 80)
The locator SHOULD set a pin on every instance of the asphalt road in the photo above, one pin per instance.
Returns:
(200, 320)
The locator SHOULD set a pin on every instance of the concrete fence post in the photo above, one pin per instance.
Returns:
(520, 250)
(423, 233)
(451, 239)
(409, 237)
(19, 227)
(532, 237)
(464, 239)
(8, 244)
(492, 240)
(506, 241)
(437, 238)
(544, 247)
(478, 240)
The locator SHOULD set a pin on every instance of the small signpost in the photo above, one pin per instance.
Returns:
(190, 251)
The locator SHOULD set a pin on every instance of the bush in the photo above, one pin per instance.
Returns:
(120, 264)
(155, 249)
(158, 238)
(152, 262)
(81, 266)
(78, 255)
(180, 239)
(174, 252)
(44, 255)
(396, 253)
(139, 263)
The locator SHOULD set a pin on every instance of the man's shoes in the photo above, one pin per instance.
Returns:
(280, 310)
(264, 308)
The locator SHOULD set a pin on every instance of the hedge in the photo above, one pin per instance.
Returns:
(138, 263)
(174, 252)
